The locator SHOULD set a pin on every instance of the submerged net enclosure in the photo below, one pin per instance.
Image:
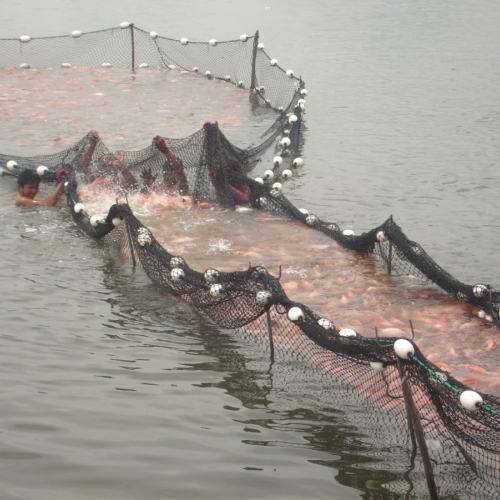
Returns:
(405, 396)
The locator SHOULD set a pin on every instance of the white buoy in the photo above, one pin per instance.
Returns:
(470, 400)
(153, 35)
(404, 348)
(118, 221)
(241, 84)
(25, 38)
(311, 220)
(124, 25)
(76, 34)
(216, 290)
(144, 65)
(285, 142)
(263, 201)
(325, 323)
(301, 101)
(348, 232)
(243, 38)
(286, 174)
(172, 66)
(177, 274)
(347, 332)
(208, 73)
(481, 314)
(292, 118)
(273, 62)
(195, 69)
(303, 92)
(41, 170)
(489, 318)
(211, 275)
(261, 46)
(304, 211)
(259, 180)
(278, 186)
(79, 207)
(227, 78)
(95, 220)
(212, 42)
(177, 262)
(378, 366)
(106, 65)
(295, 314)
(289, 73)
(143, 236)
(260, 270)
(278, 160)
(268, 174)
(298, 162)
(24, 66)
(479, 290)
(382, 237)
(262, 89)
(263, 297)
(184, 41)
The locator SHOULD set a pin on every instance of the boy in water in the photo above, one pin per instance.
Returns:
(28, 183)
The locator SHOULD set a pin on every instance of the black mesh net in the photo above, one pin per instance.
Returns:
(461, 427)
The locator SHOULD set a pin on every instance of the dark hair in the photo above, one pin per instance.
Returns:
(28, 177)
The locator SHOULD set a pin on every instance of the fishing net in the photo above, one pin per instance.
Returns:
(461, 426)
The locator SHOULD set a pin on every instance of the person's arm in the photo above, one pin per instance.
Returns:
(88, 152)
(49, 201)
(129, 181)
(180, 179)
(241, 196)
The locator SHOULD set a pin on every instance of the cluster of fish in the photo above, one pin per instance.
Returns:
(53, 108)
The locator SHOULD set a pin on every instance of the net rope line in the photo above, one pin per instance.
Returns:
(251, 301)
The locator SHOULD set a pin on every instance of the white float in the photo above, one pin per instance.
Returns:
(347, 332)
(295, 314)
(263, 297)
(404, 348)
(79, 207)
(470, 400)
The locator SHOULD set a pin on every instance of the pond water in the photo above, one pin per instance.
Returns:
(111, 390)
